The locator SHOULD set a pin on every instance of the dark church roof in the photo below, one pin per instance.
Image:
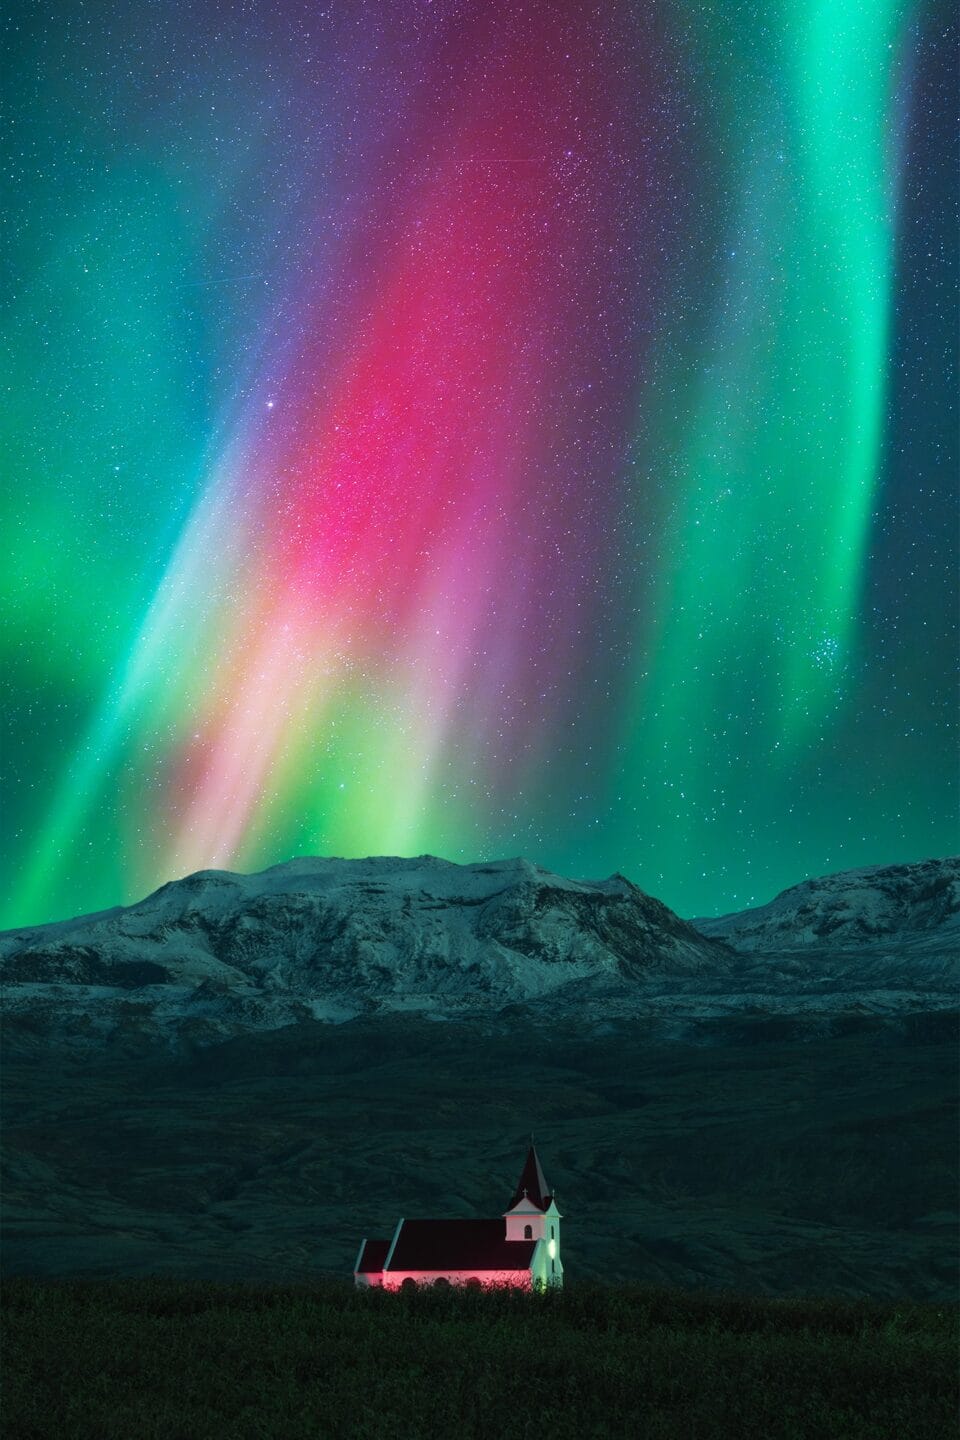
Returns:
(532, 1183)
(372, 1256)
(458, 1245)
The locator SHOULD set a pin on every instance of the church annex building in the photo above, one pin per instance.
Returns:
(520, 1249)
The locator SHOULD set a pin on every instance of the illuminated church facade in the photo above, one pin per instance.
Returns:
(520, 1249)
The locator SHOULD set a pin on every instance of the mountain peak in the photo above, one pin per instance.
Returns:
(853, 908)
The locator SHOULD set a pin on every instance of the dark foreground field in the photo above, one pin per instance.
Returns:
(187, 1360)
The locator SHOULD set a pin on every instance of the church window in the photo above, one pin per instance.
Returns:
(528, 1232)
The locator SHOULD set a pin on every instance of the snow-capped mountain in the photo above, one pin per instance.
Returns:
(915, 905)
(328, 938)
(218, 954)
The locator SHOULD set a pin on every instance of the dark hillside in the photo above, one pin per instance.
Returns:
(766, 1162)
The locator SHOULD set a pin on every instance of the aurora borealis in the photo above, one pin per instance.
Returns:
(479, 429)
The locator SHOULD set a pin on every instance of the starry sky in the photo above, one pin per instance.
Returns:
(479, 429)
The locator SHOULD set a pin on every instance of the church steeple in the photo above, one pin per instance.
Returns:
(531, 1184)
(533, 1215)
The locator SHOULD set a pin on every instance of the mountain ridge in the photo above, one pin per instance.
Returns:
(325, 939)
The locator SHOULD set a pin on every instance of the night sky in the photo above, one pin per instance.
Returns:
(482, 429)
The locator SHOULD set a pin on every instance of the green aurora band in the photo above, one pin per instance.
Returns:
(774, 452)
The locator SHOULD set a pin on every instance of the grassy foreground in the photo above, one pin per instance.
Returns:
(186, 1360)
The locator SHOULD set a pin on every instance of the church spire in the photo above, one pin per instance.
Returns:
(531, 1185)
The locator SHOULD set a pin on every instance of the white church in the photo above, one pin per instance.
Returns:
(520, 1249)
